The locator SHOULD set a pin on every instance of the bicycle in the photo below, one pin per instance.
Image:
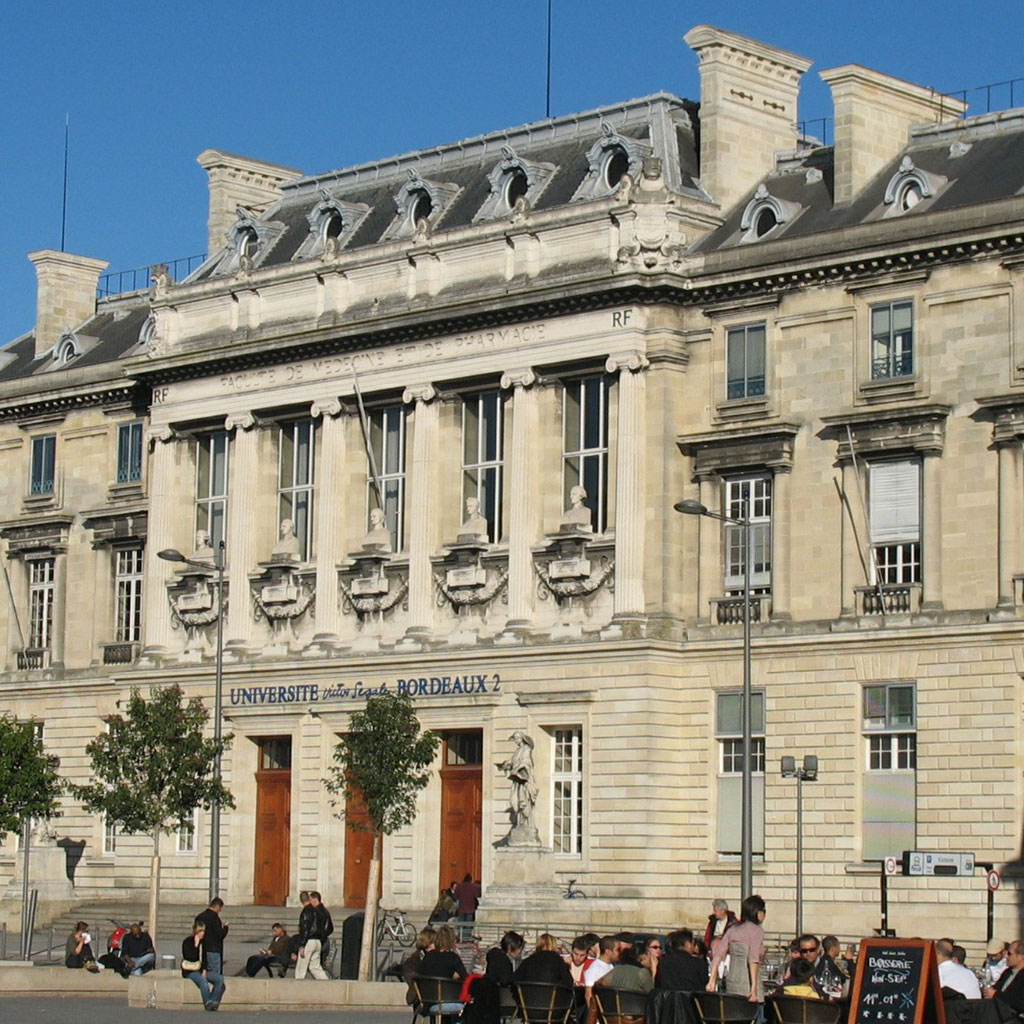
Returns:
(393, 927)
(571, 892)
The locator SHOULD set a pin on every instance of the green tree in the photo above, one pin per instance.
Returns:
(384, 761)
(152, 768)
(29, 784)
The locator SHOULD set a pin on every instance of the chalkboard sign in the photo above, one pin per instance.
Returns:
(897, 982)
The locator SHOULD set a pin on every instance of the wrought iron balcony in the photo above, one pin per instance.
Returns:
(893, 366)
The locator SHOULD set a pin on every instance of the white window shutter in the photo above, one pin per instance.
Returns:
(895, 502)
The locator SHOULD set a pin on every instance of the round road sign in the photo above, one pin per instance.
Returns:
(890, 865)
(993, 880)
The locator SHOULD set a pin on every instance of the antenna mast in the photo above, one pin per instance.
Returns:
(547, 107)
(64, 201)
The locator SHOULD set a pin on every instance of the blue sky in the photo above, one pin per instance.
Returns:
(316, 86)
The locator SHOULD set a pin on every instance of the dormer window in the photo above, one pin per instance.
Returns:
(513, 179)
(248, 244)
(334, 225)
(65, 350)
(911, 188)
(331, 224)
(422, 207)
(421, 204)
(765, 214)
(616, 166)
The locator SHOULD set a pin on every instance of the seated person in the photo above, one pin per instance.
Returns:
(1009, 989)
(681, 968)
(277, 954)
(499, 959)
(442, 961)
(411, 964)
(580, 958)
(544, 964)
(800, 981)
(629, 974)
(137, 950)
(78, 949)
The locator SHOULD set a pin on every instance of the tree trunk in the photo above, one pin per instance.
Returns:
(366, 964)
(154, 888)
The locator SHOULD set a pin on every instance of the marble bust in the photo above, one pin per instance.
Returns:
(578, 515)
(288, 544)
(204, 549)
(379, 535)
(475, 525)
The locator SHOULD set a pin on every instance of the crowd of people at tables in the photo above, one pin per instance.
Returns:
(729, 957)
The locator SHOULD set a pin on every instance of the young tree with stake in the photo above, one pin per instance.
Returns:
(383, 760)
(29, 784)
(152, 768)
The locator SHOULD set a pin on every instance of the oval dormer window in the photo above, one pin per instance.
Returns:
(67, 351)
(615, 166)
(333, 227)
(910, 196)
(766, 220)
(516, 187)
(248, 244)
(422, 207)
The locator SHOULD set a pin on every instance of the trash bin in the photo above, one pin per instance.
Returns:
(351, 943)
(168, 962)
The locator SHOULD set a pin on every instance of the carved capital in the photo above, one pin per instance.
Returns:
(240, 421)
(524, 378)
(326, 407)
(634, 362)
(164, 435)
(419, 393)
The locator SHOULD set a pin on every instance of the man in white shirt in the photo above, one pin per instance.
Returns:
(607, 959)
(953, 975)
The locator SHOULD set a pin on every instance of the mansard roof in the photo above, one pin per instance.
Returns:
(661, 122)
(980, 160)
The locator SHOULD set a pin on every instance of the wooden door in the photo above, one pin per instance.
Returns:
(273, 837)
(461, 808)
(358, 851)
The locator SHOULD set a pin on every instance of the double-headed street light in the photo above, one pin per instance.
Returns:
(173, 555)
(695, 508)
(808, 772)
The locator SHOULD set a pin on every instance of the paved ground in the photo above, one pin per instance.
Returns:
(110, 1011)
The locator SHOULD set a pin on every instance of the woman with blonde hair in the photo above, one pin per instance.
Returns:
(442, 961)
(545, 964)
(411, 964)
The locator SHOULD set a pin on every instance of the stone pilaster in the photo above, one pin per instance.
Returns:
(330, 496)
(241, 547)
(781, 534)
(630, 457)
(1009, 517)
(157, 627)
(421, 505)
(524, 522)
(931, 531)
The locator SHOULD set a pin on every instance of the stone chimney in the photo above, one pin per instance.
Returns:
(239, 181)
(65, 294)
(748, 109)
(873, 116)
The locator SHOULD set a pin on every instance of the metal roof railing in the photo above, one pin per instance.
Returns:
(117, 282)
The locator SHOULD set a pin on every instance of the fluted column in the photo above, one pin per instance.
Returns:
(852, 569)
(330, 499)
(243, 510)
(1009, 518)
(523, 518)
(781, 534)
(157, 630)
(709, 569)
(421, 506)
(630, 456)
(931, 532)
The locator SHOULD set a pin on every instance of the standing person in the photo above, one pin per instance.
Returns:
(467, 895)
(310, 940)
(743, 943)
(195, 965)
(216, 930)
(137, 949)
(78, 949)
(720, 918)
(326, 931)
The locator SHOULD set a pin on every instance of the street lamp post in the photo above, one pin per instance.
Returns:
(695, 508)
(173, 555)
(807, 773)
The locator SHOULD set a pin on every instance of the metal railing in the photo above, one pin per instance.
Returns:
(117, 282)
(1012, 89)
(815, 130)
(893, 365)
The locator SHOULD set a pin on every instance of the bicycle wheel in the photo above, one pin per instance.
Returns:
(405, 934)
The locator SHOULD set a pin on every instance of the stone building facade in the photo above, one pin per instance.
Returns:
(380, 397)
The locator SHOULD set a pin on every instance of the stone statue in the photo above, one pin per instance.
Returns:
(520, 772)
(475, 524)
(204, 549)
(578, 515)
(379, 535)
(288, 544)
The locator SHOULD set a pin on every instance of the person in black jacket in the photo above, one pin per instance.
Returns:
(215, 930)
(326, 927)
(442, 961)
(1009, 988)
(682, 969)
(195, 965)
(545, 964)
(311, 924)
(499, 959)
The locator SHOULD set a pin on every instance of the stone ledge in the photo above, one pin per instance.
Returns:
(21, 979)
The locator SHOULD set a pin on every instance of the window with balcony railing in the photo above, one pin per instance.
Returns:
(44, 459)
(129, 452)
(892, 340)
(745, 362)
